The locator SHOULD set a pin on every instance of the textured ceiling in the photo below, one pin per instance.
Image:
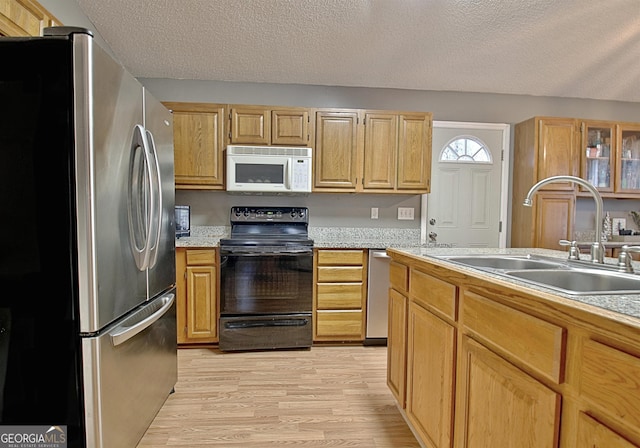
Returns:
(564, 48)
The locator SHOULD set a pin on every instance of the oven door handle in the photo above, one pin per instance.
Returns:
(266, 323)
(250, 253)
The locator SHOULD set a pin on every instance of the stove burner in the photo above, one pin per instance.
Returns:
(268, 226)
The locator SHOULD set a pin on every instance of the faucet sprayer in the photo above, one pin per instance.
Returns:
(597, 248)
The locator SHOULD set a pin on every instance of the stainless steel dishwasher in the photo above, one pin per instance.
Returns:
(377, 297)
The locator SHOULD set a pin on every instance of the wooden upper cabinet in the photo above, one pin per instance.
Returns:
(627, 177)
(380, 150)
(250, 126)
(397, 151)
(263, 125)
(558, 150)
(598, 154)
(198, 144)
(373, 151)
(336, 150)
(414, 152)
(290, 127)
(24, 18)
(544, 147)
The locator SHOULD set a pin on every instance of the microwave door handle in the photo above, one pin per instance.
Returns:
(287, 178)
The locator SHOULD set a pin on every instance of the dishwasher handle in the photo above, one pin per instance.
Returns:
(379, 254)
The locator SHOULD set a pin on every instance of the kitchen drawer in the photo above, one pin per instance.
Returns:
(399, 276)
(528, 340)
(339, 296)
(433, 293)
(347, 324)
(611, 379)
(340, 257)
(201, 257)
(340, 274)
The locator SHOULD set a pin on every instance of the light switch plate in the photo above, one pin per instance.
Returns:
(374, 212)
(405, 213)
(617, 224)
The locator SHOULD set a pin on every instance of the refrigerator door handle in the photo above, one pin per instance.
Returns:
(156, 219)
(128, 329)
(141, 207)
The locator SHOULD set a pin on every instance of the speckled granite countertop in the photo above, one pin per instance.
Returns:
(337, 237)
(627, 305)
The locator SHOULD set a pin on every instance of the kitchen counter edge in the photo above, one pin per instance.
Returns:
(623, 308)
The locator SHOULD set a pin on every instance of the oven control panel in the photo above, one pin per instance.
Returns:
(269, 214)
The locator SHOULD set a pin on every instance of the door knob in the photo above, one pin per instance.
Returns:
(433, 236)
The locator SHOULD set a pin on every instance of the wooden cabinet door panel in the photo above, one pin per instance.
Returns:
(397, 345)
(433, 293)
(201, 286)
(250, 126)
(339, 296)
(380, 150)
(340, 324)
(594, 434)
(533, 342)
(335, 154)
(289, 127)
(196, 295)
(340, 273)
(198, 134)
(554, 219)
(399, 276)
(495, 395)
(23, 18)
(430, 375)
(414, 152)
(558, 151)
(611, 379)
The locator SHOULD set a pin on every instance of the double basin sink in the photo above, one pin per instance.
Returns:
(565, 276)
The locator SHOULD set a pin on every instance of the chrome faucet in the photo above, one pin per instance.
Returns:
(597, 248)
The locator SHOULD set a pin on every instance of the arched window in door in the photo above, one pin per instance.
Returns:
(465, 149)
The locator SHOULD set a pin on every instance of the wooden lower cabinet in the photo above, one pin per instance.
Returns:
(591, 433)
(431, 348)
(197, 297)
(339, 309)
(397, 345)
(500, 405)
(554, 219)
(489, 365)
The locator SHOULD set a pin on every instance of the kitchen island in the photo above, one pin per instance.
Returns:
(477, 359)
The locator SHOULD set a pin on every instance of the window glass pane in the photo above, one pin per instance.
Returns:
(465, 150)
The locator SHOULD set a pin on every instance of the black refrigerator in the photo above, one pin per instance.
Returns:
(87, 259)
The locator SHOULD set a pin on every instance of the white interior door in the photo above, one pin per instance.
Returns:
(468, 199)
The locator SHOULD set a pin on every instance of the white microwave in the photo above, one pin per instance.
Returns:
(268, 169)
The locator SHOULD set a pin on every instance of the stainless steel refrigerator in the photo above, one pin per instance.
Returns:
(87, 260)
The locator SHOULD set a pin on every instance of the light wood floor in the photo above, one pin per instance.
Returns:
(328, 396)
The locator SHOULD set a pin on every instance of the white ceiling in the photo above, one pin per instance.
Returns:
(563, 48)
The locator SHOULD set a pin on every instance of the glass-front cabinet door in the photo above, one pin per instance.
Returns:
(628, 168)
(598, 154)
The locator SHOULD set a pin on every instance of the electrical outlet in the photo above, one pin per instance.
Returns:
(405, 213)
(374, 212)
